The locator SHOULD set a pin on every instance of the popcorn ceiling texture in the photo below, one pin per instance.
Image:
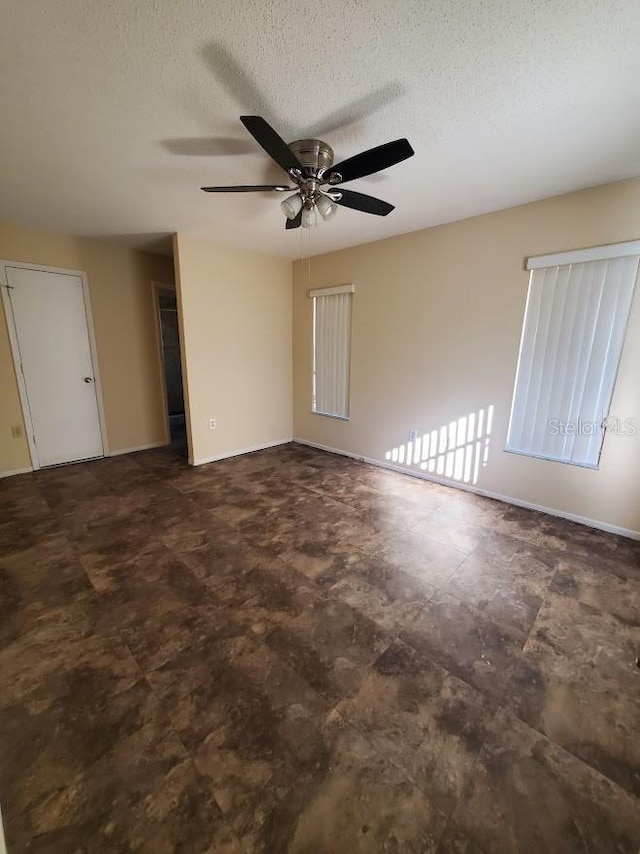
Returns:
(116, 112)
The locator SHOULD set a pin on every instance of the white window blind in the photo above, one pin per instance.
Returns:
(574, 328)
(331, 350)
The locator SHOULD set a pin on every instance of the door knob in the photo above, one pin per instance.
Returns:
(88, 379)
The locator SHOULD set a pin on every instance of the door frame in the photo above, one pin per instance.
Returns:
(15, 351)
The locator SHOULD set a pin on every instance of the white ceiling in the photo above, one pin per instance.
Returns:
(115, 112)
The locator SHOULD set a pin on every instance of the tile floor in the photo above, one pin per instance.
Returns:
(293, 652)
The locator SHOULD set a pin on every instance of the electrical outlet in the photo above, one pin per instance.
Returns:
(413, 434)
(17, 432)
(212, 424)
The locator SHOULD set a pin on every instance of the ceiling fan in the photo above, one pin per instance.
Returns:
(309, 164)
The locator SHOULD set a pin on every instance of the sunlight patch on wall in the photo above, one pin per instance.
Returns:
(457, 450)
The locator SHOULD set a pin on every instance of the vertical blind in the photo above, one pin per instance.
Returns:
(574, 328)
(331, 350)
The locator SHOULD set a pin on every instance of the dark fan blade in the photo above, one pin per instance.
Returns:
(294, 223)
(273, 144)
(361, 202)
(373, 160)
(249, 188)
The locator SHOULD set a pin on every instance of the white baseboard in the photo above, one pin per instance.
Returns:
(138, 448)
(465, 487)
(11, 474)
(3, 847)
(202, 461)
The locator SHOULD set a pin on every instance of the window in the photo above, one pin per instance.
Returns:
(331, 350)
(575, 321)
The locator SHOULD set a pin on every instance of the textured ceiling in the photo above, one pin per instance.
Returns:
(115, 112)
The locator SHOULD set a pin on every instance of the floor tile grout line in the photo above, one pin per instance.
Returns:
(514, 712)
(428, 655)
(509, 711)
(364, 733)
(368, 736)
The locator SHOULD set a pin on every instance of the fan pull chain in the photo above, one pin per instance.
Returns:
(304, 252)
(301, 249)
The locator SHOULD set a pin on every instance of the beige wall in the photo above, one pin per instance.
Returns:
(437, 316)
(124, 321)
(235, 314)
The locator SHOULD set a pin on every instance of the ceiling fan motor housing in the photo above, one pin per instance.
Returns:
(314, 155)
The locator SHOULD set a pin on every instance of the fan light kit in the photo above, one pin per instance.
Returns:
(309, 165)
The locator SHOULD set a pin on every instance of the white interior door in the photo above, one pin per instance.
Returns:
(53, 339)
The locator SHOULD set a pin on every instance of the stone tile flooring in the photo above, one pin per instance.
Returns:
(293, 652)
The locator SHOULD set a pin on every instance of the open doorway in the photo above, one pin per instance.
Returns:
(169, 343)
